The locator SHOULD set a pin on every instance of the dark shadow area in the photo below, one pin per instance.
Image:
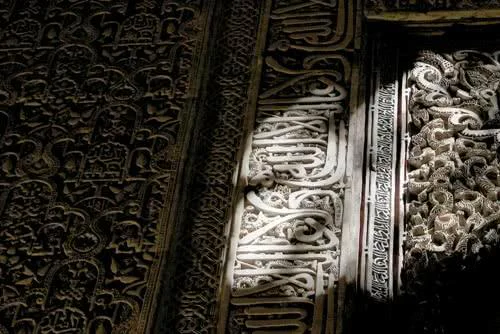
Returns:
(456, 295)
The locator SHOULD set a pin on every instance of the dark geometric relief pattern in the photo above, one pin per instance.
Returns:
(202, 238)
(92, 123)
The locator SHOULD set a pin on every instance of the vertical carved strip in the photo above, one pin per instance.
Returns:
(288, 223)
(381, 180)
(193, 303)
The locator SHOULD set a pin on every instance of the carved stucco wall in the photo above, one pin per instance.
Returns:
(432, 181)
(219, 144)
(95, 117)
(283, 266)
(454, 148)
(283, 69)
(197, 264)
(99, 103)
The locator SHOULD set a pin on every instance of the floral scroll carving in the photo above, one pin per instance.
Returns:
(454, 178)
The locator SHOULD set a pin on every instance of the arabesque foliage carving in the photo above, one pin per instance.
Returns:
(286, 268)
(92, 123)
(454, 178)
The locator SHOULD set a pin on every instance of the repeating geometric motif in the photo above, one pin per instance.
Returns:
(92, 125)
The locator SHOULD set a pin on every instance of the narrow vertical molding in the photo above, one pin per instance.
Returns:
(194, 302)
(404, 151)
(381, 178)
(351, 259)
(239, 179)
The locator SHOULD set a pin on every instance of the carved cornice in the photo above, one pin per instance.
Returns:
(433, 14)
(429, 5)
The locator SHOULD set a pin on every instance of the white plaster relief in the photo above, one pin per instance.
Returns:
(289, 243)
(381, 185)
(454, 178)
(287, 255)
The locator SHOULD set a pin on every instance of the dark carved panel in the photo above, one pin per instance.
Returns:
(93, 119)
(202, 240)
